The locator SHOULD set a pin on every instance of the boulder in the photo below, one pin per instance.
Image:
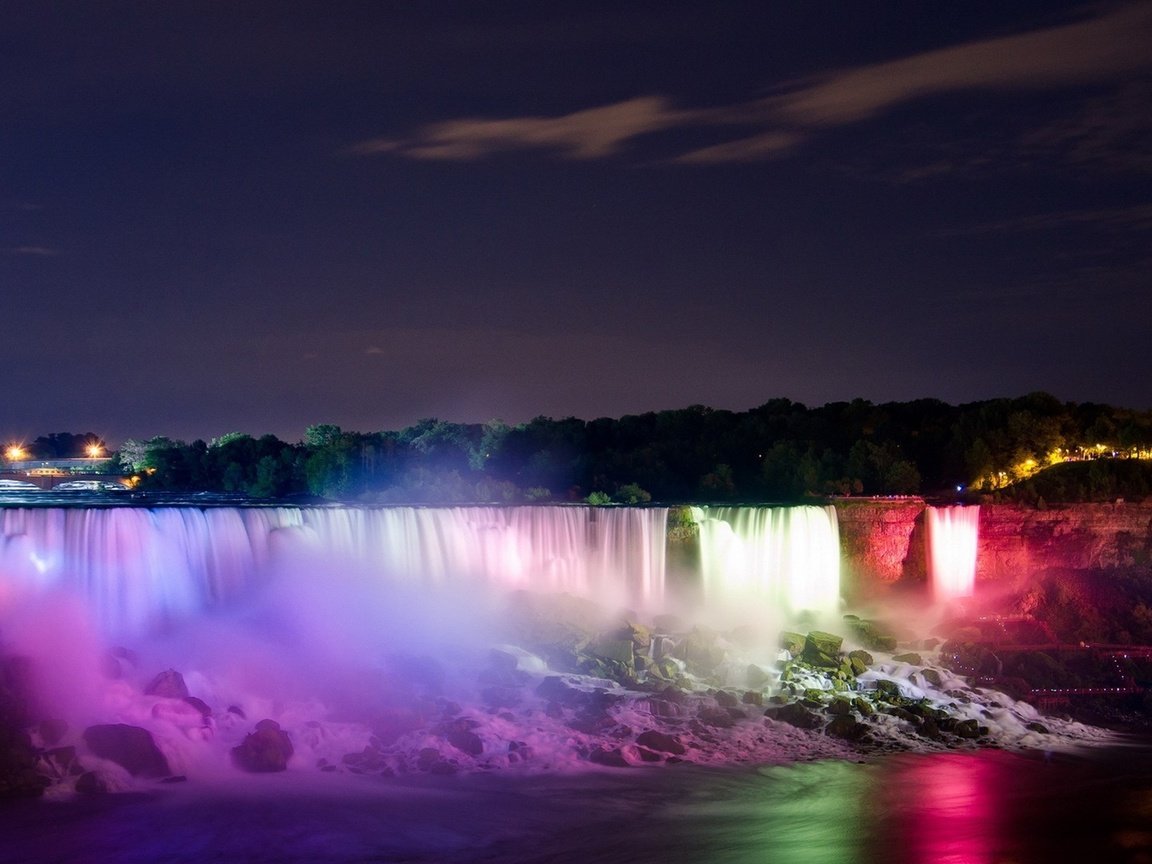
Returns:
(822, 649)
(266, 750)
(795, 714)
(613, 757)
(861, 661)
(131, 747)
(169, 684)
(791, 642)
(661, 741)
(909, 657)
(846, 727)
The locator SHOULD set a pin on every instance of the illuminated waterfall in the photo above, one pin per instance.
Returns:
(781, 558)
(952, 538)
(138, 567)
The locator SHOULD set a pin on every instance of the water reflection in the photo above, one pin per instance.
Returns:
(983, 807)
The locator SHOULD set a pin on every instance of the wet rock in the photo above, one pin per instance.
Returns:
(1037, 727)
(459, 734)
(886, 689)
(661, 741)
(822, 649)
(791, 642)
(860, 661)
(200, 705)
(725, 699)
(846, 727)
(840, 706)
(795, 714)
(702, 652)
(131, 747)
(91, 783)
(909, 657)
(969, 729)
(613, 758)
(752, 697)
(169, 684)
(932, 677)
(719, 718)
(266, 750)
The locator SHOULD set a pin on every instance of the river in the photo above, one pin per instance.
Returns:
(981, 807)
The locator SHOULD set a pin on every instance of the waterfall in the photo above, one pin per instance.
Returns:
(952, 540)
(783, 559)
(138, 567)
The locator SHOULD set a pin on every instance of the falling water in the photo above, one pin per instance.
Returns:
(952, 540)
(137, 568)
(783, 559)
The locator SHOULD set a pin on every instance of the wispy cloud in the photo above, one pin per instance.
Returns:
(1097, 49)
(1135, 218)
(587, 134)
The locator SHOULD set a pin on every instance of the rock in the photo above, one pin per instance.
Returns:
(863, 706)
(18, 775)
(967, 729)
(846, 727)
(200, 705)
(266, 750)
(791, 642)
(459, 734)
(861, 661)
(840, 706)
(886, 689)
(795, 714)
(1037, 727)
(701, 651)
(131, 747)
(717, 717)
(932, 677)
(725, 699)
(613, 758)
(660, 741)
(614, 649)
(752, 697)
(91, 783)
(822, 649)
(169, 684)
(909, 657)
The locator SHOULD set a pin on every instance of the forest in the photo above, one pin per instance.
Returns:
(1033, 448)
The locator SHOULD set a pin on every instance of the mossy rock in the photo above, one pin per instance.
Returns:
(932, 677)
(791, 642)
(846, 727)
(909, 657)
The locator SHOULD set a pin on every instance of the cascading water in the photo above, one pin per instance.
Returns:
(137, 568)
(770, 559)
(953, 534)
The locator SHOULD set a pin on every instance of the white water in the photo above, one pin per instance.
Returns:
(953, 535)
(138, 568)
(759, 561)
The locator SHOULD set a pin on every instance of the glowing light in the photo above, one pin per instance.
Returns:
(15, 453)
(94, 451)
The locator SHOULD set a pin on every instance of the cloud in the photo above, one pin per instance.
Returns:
(1095, 50)
(588, 134)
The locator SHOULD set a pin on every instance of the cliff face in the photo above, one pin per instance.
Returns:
(883, 541)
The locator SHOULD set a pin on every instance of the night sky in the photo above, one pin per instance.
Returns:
(260, 215)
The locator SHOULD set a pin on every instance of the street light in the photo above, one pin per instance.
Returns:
(15, 453)
(94, 451)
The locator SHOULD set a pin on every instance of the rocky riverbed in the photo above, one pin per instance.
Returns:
(572, 689)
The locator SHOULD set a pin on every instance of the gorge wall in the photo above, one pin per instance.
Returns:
(883, 544)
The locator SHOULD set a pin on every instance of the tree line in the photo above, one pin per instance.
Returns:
(780, 451)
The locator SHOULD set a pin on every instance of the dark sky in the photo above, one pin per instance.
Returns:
(259, 215)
